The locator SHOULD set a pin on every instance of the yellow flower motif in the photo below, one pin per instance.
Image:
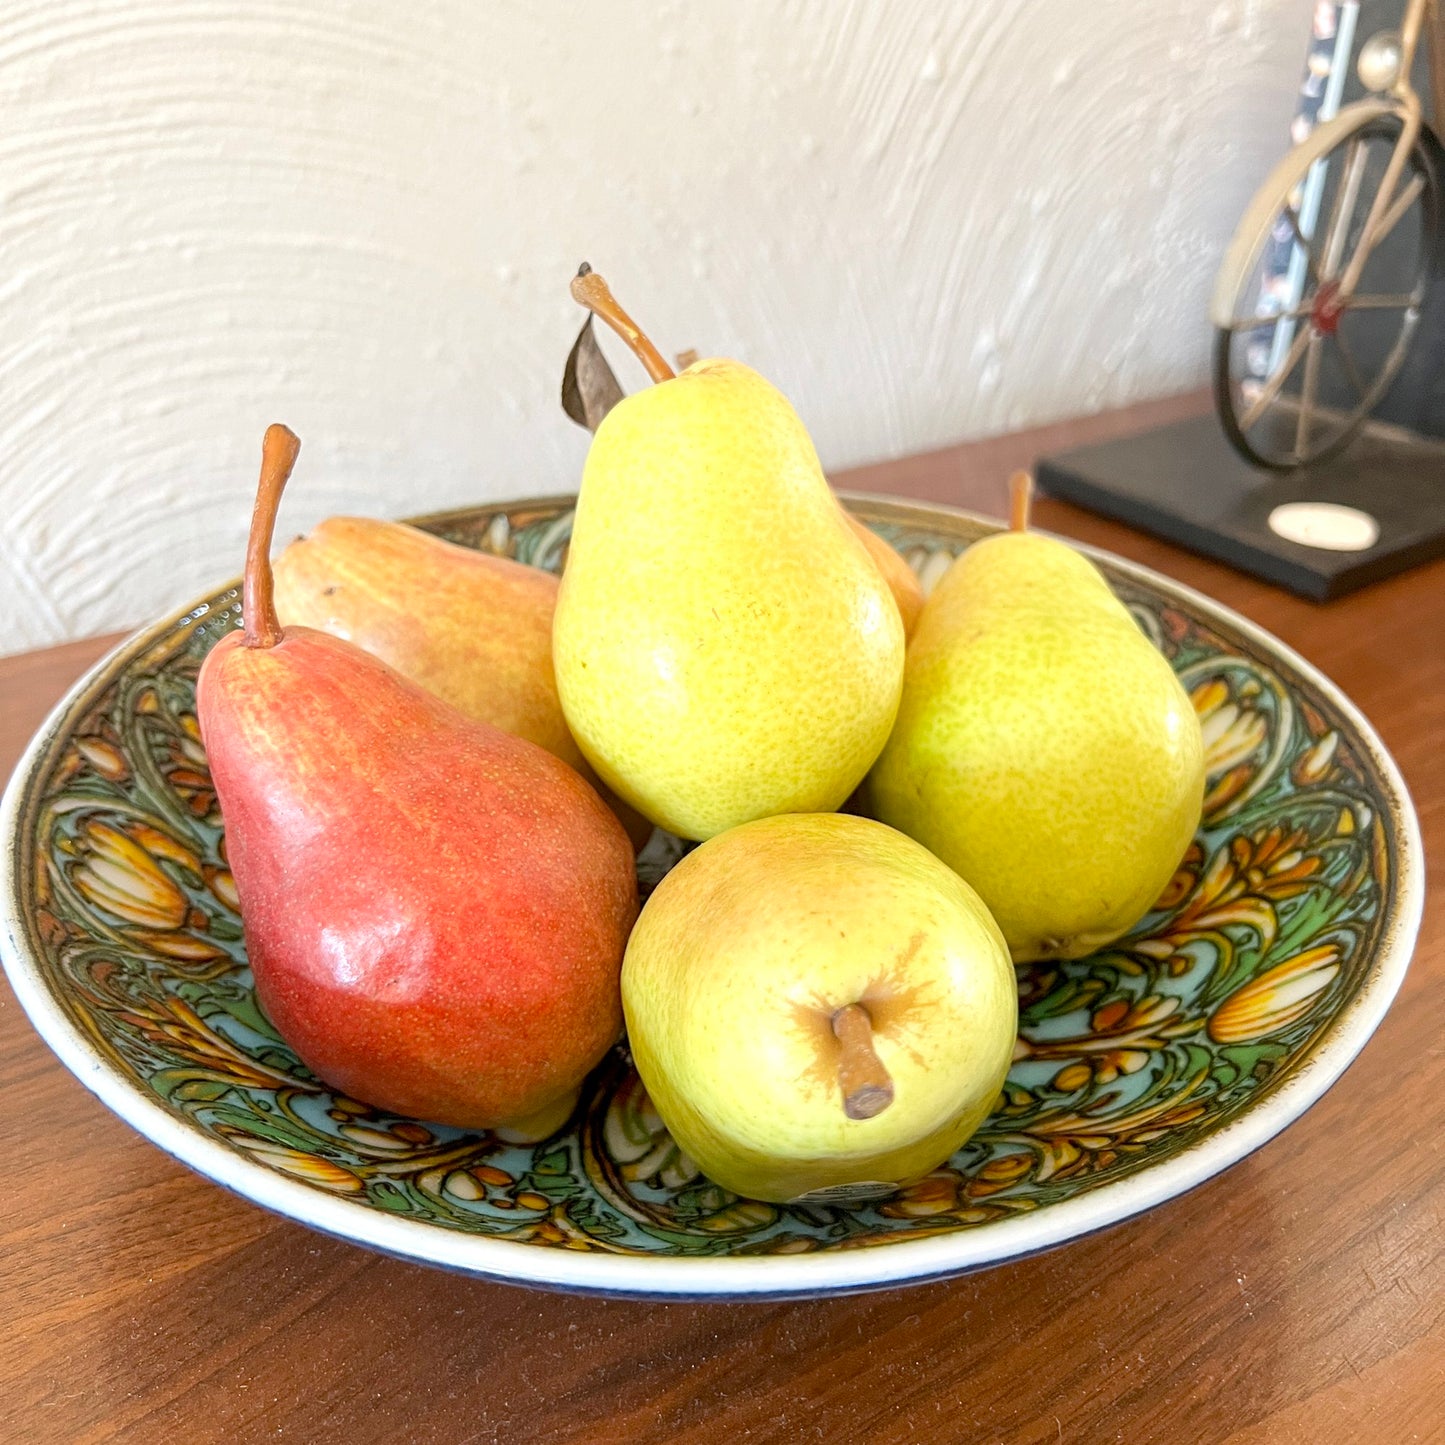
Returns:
(1073, 1142)
(1232, 734)
(1280, 996)
(307, 1167)
(1317, 762)
(1123, 1036)
(223, 885)
(183, 947)
(1073, 1076)
(177, 1027)
(119, 876)
(162, 845)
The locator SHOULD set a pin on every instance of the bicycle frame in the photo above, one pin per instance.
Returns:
(1294, 168)
(1386, 208)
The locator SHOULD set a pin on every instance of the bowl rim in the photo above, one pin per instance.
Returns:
(882, 1265)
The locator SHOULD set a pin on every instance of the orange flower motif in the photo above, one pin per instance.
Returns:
(1241, 886)
(162, 845)
(935, 1193)
(121, 877)
(223, 886)
(104, 757)
(1278, 997)
(187, 772)
(1124, 1037)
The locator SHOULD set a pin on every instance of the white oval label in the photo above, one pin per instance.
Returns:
(1325, 525)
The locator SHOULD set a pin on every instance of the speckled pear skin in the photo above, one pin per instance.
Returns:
(740, 959)
(1044, 748)
(725, 647)
(474, 629)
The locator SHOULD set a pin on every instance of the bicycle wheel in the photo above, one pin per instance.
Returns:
(1301, 362)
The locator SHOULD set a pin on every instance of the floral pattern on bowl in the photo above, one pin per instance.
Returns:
(126, 947)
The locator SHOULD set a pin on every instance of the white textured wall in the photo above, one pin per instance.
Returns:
(925, 219)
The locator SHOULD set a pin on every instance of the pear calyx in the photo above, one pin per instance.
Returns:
(591, 291)
(1020, 498)
(262, 627)
(867, 1087)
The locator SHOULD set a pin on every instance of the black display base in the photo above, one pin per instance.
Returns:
(1184, 482)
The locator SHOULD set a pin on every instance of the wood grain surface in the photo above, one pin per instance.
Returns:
(1300, 1297)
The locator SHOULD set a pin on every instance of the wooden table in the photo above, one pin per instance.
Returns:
(1299, 1297)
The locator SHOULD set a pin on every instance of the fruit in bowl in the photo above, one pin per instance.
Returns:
(474, 629)
(1044, 747)
(819, 1008)
(726, 647)
(434, 910)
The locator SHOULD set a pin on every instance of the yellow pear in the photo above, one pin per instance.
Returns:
(1044, 748)
(818, 1008)
(725, 646)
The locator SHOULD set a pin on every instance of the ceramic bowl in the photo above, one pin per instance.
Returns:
(1140, 1072)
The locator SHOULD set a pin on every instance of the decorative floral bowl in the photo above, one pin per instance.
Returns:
(1139, 1072)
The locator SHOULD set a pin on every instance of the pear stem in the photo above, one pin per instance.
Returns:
(262, 628)
(1020, 497)
(867, 1087)
(591, 291)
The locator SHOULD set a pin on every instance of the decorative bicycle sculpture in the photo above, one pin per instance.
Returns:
(1322, 287)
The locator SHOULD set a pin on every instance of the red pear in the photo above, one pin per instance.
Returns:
(435, 910)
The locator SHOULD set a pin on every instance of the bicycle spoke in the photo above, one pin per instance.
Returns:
(1307, 395)
(1258, 323)
(1343, 210)
(1351, 369)
(1398, 207)
(1381, 303)
(1270, 389)
(1304, 245)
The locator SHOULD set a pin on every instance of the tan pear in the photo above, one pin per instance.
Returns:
(472, 628)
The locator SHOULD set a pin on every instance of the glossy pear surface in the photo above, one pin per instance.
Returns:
(474, 629)
(435, 911)
(1044, 748)
(725, 647)
(740, 961)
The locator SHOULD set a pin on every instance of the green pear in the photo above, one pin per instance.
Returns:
(1044, 748)
(816, 1003)
(725, 646)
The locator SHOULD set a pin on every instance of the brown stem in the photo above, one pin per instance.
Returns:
(591, 291)
(258, 605)
(867, 1088)
(1020, 495)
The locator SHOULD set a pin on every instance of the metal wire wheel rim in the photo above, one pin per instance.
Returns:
(1421, 166)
